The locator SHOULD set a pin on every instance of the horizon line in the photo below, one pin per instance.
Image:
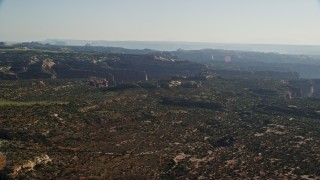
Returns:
(166, 41)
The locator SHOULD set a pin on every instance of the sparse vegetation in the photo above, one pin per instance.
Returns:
(226, 128)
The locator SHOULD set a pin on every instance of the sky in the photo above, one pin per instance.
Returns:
(217, 21)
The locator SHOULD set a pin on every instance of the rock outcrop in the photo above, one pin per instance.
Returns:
(30, 164)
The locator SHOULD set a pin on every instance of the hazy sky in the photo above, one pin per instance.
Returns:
(235, 21)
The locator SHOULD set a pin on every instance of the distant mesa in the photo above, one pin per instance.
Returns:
(184, 46)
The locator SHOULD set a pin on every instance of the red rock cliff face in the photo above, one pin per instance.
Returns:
(316, 87)
(304, 88)
(118, 76)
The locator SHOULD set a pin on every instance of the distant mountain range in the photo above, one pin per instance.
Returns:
(172, 46)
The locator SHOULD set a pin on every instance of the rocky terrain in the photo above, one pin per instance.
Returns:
(226, 128)
(162, 118)
(117, 68)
